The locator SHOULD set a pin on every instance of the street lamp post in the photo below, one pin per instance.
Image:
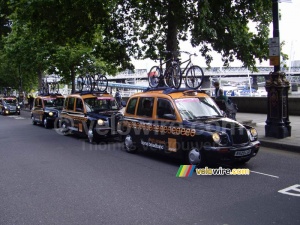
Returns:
(277, 123)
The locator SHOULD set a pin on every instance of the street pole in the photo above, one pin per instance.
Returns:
(277, 123)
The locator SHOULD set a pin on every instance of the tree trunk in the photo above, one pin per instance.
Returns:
(73, 79)
(172, 44)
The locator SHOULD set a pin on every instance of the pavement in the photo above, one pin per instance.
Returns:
(258, 121)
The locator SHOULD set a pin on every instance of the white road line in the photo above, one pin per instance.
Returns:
(264, 174)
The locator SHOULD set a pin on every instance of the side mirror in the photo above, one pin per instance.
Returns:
(123, 103)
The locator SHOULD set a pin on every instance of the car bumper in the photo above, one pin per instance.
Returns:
(231, 154)
(7, 112)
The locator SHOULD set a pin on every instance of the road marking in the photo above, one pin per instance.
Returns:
(17, 117)
(294, 188)
(264, 174)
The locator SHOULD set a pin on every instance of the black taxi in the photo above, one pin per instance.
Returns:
(90, 114)
(46, 109)
(9, 105)
(187, 123)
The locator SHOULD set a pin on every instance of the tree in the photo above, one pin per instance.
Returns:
(217, 25)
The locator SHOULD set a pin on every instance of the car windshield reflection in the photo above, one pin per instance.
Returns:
(54, 102)
(197, 108)
(100, 104)
(11, 101)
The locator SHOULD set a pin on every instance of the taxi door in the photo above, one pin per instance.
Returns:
(38, 110)
(166, 127)
(79, 116)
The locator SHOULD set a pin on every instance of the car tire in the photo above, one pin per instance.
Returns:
(46, 123)
(129, 144)
(64, 128)
(33, 121)
(91, 137)
(193, 157)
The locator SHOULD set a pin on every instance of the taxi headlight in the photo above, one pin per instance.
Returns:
(216, 138)
(100, 122)
(18, 106)
(253, 132)
(50, 113)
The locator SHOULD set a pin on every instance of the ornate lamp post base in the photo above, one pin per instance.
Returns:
(277, 124)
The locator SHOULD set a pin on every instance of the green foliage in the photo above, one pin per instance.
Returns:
(217, 25)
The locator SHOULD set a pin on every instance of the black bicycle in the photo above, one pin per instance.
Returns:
(194, 74)
(91, 83)
(158, 75)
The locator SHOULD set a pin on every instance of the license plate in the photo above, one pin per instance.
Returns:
(242, 153)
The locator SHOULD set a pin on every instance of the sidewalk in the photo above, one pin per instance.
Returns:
(259, 121)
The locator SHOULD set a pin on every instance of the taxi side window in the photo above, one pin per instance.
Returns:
(131, 106)
(165, 109)
(70, 103)
(145, 107)
(38, 103)
(79, 105)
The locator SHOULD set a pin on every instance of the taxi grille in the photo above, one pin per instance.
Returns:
(239, 135)
(113, 122)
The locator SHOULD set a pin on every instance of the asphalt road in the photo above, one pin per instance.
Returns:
(47, 178)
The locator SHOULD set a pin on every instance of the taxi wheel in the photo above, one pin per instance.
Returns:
(64, 128)
(32, 120)
(91, 137)
(129, 145)
(45, 123)
(193, 157)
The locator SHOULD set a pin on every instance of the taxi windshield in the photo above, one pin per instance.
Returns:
(54, 102)
(197, 108)
(10, 101)
(100, 104)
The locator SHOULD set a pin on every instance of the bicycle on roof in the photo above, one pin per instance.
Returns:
(95, 82)
(158, 75)
(194, 74)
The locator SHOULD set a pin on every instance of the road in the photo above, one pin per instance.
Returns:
(47, 178)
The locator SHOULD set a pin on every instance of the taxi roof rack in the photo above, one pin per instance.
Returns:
(168, 90)
(90, 92)
(9, 96)
(50, 94)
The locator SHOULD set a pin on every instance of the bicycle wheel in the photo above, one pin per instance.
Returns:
(54, 87)
(79, 83)
(102, 83)
(194, 77)
(172, 77)
(154, 76)
(176, 77)
(89, 83)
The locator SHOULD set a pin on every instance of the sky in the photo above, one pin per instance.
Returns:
(289, 32)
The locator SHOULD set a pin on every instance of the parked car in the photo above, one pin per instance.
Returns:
(187, 123)
(46, 109)
(94, 115)
(9, 105)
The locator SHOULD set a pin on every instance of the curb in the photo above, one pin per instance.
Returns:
(280, 146)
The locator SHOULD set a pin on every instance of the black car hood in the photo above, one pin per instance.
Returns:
(105, 114)
(53, 109)
(214, 124)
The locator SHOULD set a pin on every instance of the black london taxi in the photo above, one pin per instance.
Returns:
(90, 114)
(9, 105)
(46, 109)
(187, 123)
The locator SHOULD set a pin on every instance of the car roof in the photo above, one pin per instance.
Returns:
(171, 92)
(90, 95)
